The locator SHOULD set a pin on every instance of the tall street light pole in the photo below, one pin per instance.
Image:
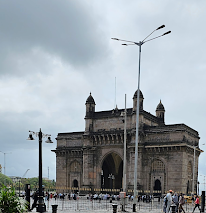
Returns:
(125, 141)
(140, 43)
(5, 165)
(124, 119)
(5, 160)
(41, 207)
(193, 178)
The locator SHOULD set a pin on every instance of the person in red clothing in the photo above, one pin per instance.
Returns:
(197, 203)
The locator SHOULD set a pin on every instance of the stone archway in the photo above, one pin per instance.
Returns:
(158, 177)
(112, 172)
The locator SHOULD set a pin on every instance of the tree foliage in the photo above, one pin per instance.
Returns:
(34, 183)
(5, 180)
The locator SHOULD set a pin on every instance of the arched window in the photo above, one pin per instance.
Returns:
(158, 165)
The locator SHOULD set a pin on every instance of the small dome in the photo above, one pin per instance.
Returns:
(140, 95)
(90, 99)
(160, 107)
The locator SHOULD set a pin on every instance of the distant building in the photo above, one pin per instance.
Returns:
(15, 179)
(165, 153)
(46, 179)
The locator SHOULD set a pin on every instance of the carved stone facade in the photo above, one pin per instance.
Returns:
(94, 157)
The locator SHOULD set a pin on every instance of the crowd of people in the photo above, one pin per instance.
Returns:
(179, 201)
(74, 196)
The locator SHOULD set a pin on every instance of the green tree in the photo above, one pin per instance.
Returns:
(10, 202)
(5, 180)
(34, 183)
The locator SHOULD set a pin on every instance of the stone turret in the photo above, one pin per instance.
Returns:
(160, 112)
(90, 109)
(141, 98)
(90, 106)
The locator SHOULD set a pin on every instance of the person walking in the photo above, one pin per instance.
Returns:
(181, 203)
(176, 201)
(169, 200)
(35, 197)
(197, 203)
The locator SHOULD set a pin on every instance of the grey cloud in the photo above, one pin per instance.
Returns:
(66, 29)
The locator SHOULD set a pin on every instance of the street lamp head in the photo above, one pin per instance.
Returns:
(166, 33)
(115, 39)
(48, 140)
(160, 27)
(30, 137)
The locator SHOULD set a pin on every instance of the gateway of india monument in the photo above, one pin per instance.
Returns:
(93, 158)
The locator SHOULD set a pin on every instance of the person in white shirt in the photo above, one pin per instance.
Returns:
(169, 200)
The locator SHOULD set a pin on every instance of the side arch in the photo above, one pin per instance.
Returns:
(74, 174)
(157, 176)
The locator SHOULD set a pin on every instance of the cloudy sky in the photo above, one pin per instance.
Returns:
(54, 53)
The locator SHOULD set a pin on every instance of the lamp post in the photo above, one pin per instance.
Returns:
(193, 177)
(5, 160)
(5, 165)
(125, 141)
(111, 177)
(102, 179)
(41, 207)
(140, 43)
(124, 115)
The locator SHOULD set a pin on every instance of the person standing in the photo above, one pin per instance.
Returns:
(169, 200)
(165, 204)
(181, 202)
(197, 203)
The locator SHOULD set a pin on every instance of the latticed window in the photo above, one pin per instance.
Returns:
(158, 165)
(75, 166)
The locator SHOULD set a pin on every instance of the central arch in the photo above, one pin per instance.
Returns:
(112, 172)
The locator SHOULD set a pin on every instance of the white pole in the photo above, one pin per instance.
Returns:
(193, 181)
(4, 164)
(137, 132)
(125, 141)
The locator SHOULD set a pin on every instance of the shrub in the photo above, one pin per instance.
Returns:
(10, 202)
